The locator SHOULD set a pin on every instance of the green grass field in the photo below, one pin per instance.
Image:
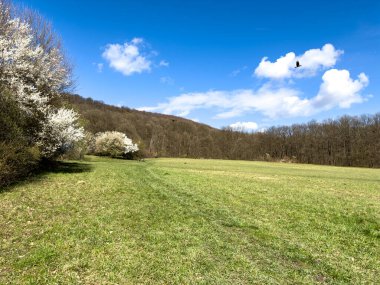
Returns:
(183, 221)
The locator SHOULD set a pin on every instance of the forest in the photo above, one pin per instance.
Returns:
(346, 141)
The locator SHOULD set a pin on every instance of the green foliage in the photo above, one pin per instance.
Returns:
(184, 221)
(79, 149)
(12, 119)
(18, 156)
(16, 161)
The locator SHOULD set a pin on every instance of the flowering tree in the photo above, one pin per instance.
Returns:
(36, 74)
(60, 132)
(114, 144)
(34, 70)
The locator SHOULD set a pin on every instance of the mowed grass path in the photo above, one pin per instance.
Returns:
(183, 221)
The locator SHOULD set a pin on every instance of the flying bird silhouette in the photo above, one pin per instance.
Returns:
(298, 64)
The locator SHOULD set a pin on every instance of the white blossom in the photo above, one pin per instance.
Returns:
(33, 68)
(17, 58)
(129, 145)
(60, 132)
(114, 144)
(35, 74)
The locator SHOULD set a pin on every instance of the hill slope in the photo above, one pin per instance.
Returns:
(157, 134)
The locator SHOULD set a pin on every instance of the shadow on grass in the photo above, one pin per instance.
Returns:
(47, 167)
(65, 167)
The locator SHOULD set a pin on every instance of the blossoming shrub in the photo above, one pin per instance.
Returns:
(114, 144)
(60, 132)
(33, 74)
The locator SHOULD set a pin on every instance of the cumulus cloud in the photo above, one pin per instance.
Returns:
(312, 61)
(276, 99)
(281, 68)
(338, 89)
(127, 58)
(244, 126)
(269, 101)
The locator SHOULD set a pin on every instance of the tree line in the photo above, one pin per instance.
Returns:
(347, 141)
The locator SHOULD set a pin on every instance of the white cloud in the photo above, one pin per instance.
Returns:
(164, 63)
(314, 59)
(137, 41)
(182, 105)
(127, 58)
(275, 99)
(336, 90)
(276, 70)
(311, 61)
(271, 102)
(244, 126)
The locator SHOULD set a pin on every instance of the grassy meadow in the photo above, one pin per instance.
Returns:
(184, 221)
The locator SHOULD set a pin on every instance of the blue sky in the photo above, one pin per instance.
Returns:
(204, 60)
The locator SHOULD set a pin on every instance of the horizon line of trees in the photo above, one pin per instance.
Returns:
(347, 141)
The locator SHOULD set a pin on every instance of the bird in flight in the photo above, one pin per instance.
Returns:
(298, 64)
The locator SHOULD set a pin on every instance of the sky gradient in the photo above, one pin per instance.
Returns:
(225, 62)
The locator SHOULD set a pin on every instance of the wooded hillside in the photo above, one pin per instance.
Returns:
(348, 141)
